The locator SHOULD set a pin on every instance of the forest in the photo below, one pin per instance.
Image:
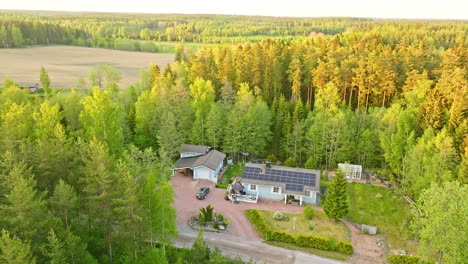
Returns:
(84, 173)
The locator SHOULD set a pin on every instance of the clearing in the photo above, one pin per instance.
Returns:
(66, 63)
(384, 208)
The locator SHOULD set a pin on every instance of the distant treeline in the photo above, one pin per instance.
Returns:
(138, 32)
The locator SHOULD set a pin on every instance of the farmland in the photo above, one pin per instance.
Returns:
(66, 63)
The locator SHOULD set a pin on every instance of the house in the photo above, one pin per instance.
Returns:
(32, 87)
(200, 162)
(351, 171)
(292, 185)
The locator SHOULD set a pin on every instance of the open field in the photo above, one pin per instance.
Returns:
(66, 63)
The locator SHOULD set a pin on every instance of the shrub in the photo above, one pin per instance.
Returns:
(309, 212)
(221, 185)
(220, 217)
(259, 222)
(282, 237)
(289, 162)
(201, 219)
(272, 158)
(405, 259)
(216, 225)
(344, 247)
(313, 242)
(280, 216)
(311, 227)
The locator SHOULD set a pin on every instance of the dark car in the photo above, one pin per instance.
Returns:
(202, 193)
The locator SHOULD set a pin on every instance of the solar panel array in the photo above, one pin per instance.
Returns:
(294, 180)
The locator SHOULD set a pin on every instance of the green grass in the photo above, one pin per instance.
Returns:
(323, 227)
(318, 252)
(233, 171)
(391, 213)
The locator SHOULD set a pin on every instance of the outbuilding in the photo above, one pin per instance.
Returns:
(200, 162)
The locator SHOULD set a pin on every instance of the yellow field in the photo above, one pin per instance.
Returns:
(66, 63)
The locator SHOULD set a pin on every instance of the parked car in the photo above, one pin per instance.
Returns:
(202, 193)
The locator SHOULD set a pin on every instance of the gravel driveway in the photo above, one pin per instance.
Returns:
(187, 205)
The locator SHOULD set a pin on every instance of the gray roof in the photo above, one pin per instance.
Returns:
(291, 180)
(211, 160)
(194, 148)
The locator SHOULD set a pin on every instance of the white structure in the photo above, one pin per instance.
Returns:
(200, 162)
(351, 171)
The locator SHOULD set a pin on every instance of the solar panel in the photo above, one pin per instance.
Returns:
(294, 180)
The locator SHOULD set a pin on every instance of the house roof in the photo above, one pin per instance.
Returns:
(194, 148)
(291, 180)
(211, 160)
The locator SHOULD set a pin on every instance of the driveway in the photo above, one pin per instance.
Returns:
(187, 205)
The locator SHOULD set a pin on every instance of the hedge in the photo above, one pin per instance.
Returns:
(264, 229)
(405, 259)
(344, 247)
(282, 237)
(259, 222)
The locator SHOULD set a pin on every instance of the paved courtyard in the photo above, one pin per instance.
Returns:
(187, 205)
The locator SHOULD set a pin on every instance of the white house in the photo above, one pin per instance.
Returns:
(200, 162)
(351, 171)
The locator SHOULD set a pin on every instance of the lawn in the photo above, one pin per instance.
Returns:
(322, 226)
(390, 213)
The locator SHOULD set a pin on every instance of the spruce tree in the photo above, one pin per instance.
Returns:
(337, 201)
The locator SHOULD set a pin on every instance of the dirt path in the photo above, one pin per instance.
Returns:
(365, 247)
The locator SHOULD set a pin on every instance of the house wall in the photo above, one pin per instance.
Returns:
(190, 154)
(216, 173)
(311, 199)
(264, 192)
(203, 172)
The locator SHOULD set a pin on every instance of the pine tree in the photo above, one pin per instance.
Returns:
(337, 201)
(200, 252)
(55, 249)
(64, 202)
(14, 251)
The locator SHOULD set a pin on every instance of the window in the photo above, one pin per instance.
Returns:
(253, 187)
(276, 189)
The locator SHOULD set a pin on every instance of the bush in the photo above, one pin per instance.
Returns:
(290, 162)
(216, 225)
(344, 247)
(201, 219)
(259, 222)
(280, 216)
(282, 237)
(309, 212)
(272, 158)
(405, 259)
(221, 185)
(311, 227)
(313, 242)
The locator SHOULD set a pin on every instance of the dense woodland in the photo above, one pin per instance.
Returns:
(87, 171)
